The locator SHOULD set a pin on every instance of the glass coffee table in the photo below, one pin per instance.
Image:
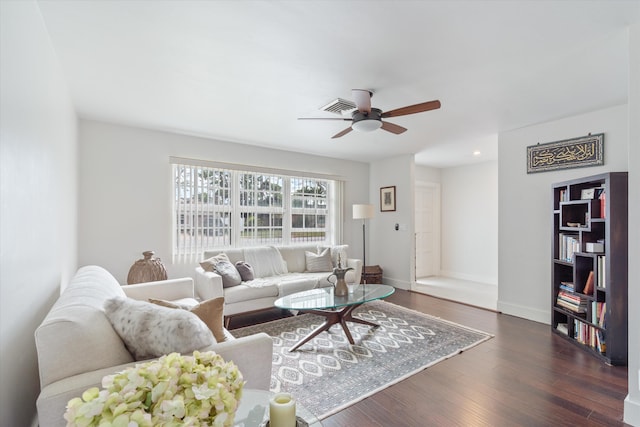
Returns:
(335, 309)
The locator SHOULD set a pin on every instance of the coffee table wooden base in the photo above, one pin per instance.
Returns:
(341, 316)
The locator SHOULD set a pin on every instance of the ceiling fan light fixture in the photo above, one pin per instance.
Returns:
(367, 125)
(363, 121)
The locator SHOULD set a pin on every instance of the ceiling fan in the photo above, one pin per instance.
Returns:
(366, 119)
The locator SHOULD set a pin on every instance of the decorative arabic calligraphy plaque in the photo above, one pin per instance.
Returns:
(569, 153)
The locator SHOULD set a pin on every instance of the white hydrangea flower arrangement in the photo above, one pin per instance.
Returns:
(175, 390)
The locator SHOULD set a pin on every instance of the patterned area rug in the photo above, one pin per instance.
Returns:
(328, 374)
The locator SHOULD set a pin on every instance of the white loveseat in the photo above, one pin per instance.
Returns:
(77, 345)
(261, 293)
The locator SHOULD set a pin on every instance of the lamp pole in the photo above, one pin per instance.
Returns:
(364, 252)
(363, 212)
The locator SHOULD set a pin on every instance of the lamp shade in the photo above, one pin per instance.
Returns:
(362, 211)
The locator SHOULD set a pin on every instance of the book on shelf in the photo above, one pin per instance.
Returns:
(601, 345)
(601, 282)
(588, 286)
(567, 286)
(597, 312)
(563, 195)
(590, 336)
(571, 307)
(568, 244)
(572, 302)
(603, 204)
(602, 314)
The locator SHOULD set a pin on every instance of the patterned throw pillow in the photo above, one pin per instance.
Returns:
(229, 274)
(209, 264)
(245, 270)
(150, 331)
(209, 311)
(317, 263)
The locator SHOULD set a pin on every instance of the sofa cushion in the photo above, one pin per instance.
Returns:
(263, 288)
(318, 262)
(149, 330)
(338, 253)
(266, 261)
(297, 284)
(294, 257)
(245, 270)
(229, 274)
(77, 327)
(209, 311)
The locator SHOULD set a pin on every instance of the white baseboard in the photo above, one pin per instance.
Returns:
(528, 313)
(631, 411)
(400, 284)
(469, 277)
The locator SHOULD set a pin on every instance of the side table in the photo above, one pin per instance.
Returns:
(372, 274)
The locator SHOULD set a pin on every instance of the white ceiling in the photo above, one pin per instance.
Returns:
(244, 71)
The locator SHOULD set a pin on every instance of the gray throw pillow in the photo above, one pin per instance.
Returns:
(245, 270)
(149, 330)
(229, 274)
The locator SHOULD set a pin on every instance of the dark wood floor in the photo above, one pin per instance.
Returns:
(524, 376)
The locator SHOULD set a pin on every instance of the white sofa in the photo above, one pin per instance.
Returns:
(77, 345)
(261, 293)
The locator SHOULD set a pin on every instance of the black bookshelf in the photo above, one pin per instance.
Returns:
(590, 219)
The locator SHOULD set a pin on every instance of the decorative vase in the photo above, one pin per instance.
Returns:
(148, 269)
(341, 288)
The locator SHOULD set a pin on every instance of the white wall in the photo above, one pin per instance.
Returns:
(38, 181)
(524, 204)
(125, 190)
(427, 174)
(393, 250)
(469, 232)
(632, 402)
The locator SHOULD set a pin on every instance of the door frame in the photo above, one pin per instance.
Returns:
(436, 223)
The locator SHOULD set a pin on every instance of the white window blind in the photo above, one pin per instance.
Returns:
(216, 207)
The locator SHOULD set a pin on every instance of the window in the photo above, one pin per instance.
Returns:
(219, 207)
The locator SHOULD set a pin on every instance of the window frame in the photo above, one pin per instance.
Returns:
(188, 247)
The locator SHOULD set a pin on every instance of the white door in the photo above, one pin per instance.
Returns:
(427, 229)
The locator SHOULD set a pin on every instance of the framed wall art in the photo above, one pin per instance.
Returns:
(388, 199)
(569, 153)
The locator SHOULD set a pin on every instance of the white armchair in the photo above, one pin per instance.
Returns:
(77, 345)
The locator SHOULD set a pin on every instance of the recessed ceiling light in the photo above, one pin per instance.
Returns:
(476, 153)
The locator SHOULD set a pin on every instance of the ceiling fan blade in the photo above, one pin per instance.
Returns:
(412, 109)
(343, 133)
(362, 98)
(393, 128)
(324, 118)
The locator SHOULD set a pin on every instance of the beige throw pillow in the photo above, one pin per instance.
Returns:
(317, 263)
(209, 311)
(209, 264)
(150, 331)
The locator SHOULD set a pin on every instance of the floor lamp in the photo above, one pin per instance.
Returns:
(363, 212)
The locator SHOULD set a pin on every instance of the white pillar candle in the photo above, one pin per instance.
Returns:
(282, 411)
